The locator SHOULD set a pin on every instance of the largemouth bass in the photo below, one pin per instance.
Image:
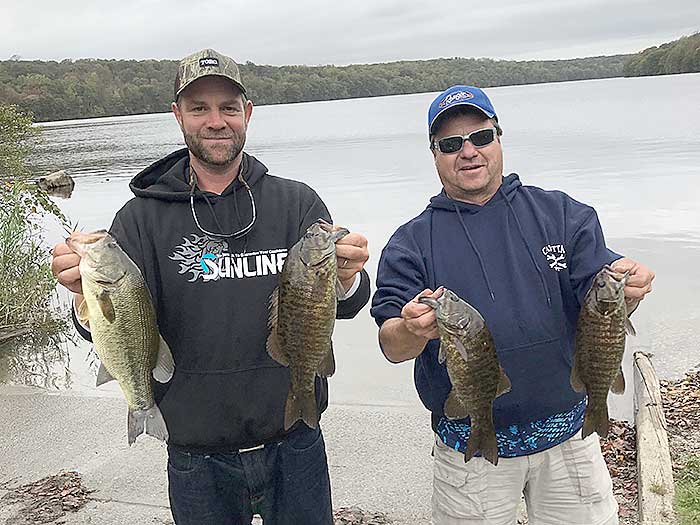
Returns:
(600, 345)
(122, 322)
(302, 317)
(477, 378)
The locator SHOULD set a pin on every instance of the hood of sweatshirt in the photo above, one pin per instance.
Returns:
(506, 190)
(505, 194)
(167, 179)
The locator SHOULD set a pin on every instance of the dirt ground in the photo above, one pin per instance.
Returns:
(51, 498)
(681, 399)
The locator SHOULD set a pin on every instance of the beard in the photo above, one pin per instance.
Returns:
(216, 154)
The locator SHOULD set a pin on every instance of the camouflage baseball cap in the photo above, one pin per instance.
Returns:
(205, 63)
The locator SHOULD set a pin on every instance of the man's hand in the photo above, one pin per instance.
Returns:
(639, 282)
(352, 255)
(403, 338)
(64, 267)
(420, 318)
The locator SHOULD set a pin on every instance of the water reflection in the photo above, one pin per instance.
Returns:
(37, 354)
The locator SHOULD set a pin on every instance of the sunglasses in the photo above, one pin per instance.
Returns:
(455, 143)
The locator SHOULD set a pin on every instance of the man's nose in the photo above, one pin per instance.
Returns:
(215, 119)
(468, 150)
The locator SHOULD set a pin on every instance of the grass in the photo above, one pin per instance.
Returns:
(31, 330)
(688, 492)
(25, 275)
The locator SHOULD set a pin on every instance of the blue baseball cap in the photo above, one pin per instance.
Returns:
(459, 96)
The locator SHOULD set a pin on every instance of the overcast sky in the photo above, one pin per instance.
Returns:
(336, 32)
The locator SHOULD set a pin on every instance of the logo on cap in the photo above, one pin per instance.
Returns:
(209, 62)
(455, 97)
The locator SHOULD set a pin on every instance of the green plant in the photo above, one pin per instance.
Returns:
(32, 329)
(687, 500)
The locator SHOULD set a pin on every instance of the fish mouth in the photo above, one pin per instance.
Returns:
(78, 241)
(107, 282)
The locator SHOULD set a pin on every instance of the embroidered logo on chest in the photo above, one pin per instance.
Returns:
(556, 256)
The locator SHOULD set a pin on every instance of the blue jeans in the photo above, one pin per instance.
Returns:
(286, 483)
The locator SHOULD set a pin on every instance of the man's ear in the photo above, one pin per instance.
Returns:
(248, 110)
(176, 112)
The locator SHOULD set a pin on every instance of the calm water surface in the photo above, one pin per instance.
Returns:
(628, 147)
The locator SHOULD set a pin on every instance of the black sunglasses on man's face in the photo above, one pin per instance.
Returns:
(455, 143)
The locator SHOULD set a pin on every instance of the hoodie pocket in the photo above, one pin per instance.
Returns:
(540, 374)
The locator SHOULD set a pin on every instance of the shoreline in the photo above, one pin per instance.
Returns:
(378, 457)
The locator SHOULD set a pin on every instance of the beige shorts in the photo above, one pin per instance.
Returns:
(565, 485)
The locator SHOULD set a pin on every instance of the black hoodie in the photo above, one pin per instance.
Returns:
(211, 296)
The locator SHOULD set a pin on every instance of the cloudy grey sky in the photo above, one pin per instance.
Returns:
(325, 32)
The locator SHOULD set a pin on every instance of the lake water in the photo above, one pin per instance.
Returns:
(628, 147)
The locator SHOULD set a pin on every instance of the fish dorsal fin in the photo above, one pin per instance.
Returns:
(104, 300)
(103, 376)
(504, 384)
(274, 348)
(326, 367)
(629, 328)
(165, 365)
(84, 313)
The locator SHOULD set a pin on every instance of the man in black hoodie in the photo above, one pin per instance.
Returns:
(210, 229)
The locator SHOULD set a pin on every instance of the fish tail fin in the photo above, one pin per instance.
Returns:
(300, 407)
(483, 438)
(149, 421)
(595, 420)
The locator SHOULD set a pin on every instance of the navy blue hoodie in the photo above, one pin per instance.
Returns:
(525, 260)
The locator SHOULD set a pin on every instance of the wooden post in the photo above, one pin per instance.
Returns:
(654, 472)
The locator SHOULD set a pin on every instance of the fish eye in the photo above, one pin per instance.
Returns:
(112, 244)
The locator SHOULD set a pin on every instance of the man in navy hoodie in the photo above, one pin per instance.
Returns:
(210, 228)
(525, 258)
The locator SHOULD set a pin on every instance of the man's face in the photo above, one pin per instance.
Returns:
(471, 174)
(213, 118)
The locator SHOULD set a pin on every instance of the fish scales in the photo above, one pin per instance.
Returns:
(306, 319)
(302, 317)
(600, 346)
(467, 348)
(123, 326)
(476, 378)
(128, 355)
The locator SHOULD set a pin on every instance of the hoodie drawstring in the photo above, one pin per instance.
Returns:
(476, 251)
(529, 250)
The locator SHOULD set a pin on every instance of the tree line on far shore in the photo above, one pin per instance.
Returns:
(679, 56)
(94, 88)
